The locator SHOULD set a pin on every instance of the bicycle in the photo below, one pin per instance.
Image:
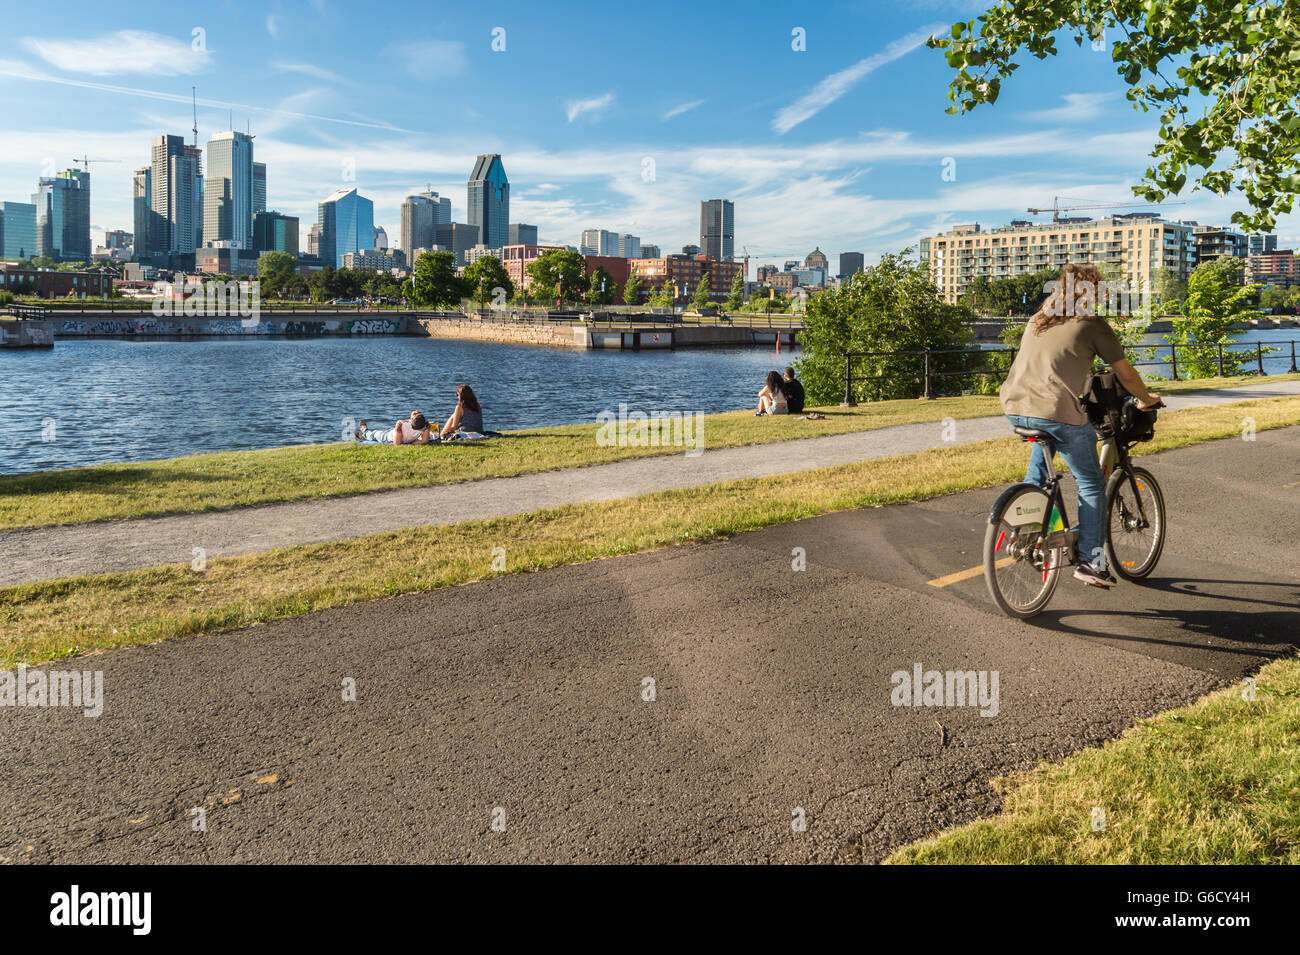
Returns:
(1028, 539)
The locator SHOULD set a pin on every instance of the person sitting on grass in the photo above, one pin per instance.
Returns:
(468, 416)
(414, 430)
(793, 391)
(772, 399)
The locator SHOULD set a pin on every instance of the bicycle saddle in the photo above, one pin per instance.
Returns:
(1027, 433)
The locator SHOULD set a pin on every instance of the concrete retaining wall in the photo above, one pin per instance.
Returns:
(551, 335)
(27, 334)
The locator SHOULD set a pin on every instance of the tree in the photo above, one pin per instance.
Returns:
(1235, 61)
(601, 287)
(275, 270)
(737, 294)
(436, 283)
(1017, 295)
(484, 276)
(1216, 300)
(558, 273)
(662, 297)
(700, 300)
(632, 290)
(893, 308)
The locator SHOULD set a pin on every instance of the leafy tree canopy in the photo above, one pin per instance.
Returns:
(1239, 62)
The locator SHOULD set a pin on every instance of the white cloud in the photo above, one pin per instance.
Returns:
(430, 59)
(126, 51)
(1079, 107)
(312, 70)
(19, 70)
(683, 108)
(837, 84)
(271, 26)
(595, 104)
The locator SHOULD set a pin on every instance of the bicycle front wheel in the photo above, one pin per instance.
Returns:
(1021, 572)
(1135, 512)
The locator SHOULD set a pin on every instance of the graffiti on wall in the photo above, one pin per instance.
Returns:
(372, 326)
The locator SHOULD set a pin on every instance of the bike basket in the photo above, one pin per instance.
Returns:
(1132, 424)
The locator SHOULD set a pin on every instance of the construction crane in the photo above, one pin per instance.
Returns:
(1057, 208)
(745, 274)
(86, 161)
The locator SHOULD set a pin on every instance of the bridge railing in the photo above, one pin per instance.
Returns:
(931, 367)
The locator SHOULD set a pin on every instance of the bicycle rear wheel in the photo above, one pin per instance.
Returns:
(1136, 536)
(1020, 571)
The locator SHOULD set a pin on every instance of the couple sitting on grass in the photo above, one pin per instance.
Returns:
(780, 395)
(465, 422)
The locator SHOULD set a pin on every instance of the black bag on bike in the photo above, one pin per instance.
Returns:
(1114, 412)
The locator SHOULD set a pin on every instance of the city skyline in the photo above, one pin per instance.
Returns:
(843, 144)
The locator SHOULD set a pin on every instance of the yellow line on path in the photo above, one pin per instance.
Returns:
(966, 574)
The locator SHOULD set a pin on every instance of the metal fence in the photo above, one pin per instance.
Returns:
(935, 364)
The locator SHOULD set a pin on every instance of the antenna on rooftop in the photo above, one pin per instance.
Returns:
(194, 102)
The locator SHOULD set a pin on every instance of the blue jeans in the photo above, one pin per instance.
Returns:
(1077, 444)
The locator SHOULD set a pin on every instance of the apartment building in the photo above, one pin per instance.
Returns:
(1134, 246)
(683, 273)
(1275, 267)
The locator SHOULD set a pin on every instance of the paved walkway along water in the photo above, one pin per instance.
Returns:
(45, 553)
(523, 700)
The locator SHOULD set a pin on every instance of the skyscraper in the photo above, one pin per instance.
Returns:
(718, 229)
(629, 246)
(599, 242)
(259, 187)
(228, 190)
(175, 197)
(63, 215)
(141, 211)
(421, 215)
(489, 201)
(850, 263)
(274, 232)
(522, 234)
(18, 230)
(347, 224)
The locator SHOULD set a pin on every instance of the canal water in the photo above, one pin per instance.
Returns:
(97, 401)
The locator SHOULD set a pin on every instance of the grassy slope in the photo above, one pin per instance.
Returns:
(210, 482)
(1214, 782)
(51, 619)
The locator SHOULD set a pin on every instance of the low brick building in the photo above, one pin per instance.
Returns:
(683, 273)
(47, 283)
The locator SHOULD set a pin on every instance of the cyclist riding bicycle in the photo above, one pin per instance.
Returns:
(1042, 391)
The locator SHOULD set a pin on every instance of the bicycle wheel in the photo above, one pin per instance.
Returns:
(1020, 571)
(1136, 536)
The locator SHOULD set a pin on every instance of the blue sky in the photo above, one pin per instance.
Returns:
(607, 116)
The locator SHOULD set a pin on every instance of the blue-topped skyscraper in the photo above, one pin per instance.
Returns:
(347, 224)
(489, 201)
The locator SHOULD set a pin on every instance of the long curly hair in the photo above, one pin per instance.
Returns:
(1074, 295)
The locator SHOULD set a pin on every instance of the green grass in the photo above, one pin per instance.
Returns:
(210, 482)
(53, 619)
(213, 482)
(1211, 783)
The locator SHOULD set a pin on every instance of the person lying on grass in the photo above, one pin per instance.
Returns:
(414, 430)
